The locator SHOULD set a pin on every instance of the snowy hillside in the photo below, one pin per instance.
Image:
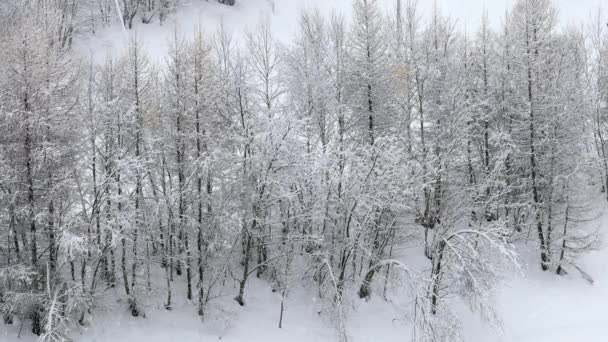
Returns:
(284, 15)
(244, 15)
(303, 170)
(534, 307)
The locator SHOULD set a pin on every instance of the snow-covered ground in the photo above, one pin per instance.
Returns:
(283, 15)
(534, 307)
(208, 15)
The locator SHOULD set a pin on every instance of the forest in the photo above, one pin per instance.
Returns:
(365, 155)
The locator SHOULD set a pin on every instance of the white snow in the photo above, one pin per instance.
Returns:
(534, 307)
(283, 15)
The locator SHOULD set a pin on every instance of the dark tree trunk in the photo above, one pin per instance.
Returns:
(436, 277)
(240, 298)
(533, 173)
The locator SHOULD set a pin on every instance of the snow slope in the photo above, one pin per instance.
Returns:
(283, 15)
(534, 307)
(544, 307)
(244, 15)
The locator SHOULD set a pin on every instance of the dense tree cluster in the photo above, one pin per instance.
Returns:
(319, 160)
